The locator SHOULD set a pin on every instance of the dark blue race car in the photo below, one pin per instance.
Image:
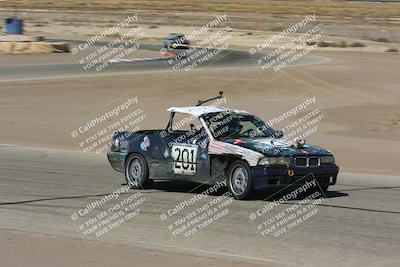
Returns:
(222, 144)
(176, 40)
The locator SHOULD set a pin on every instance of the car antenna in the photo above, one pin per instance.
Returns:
(201, 102)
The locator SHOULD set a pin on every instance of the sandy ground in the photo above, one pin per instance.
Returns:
(361, 104)
(374, 25)
(45, 250)
(240, 38)
(339, 18)
(357, 91)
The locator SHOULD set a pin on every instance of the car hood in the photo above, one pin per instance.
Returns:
(276, 146)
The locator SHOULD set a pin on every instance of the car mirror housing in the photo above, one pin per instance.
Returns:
(279, 134)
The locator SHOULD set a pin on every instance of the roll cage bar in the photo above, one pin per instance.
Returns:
(199, 103)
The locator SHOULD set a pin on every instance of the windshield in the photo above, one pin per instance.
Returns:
(232, 125)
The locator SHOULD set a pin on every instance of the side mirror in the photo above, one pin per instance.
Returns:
(279, 134)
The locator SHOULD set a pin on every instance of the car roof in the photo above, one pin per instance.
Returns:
(199, 111)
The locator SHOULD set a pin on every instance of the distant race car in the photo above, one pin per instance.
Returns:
(225, 145)
(176, 40)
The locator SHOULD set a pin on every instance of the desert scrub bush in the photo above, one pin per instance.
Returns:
(324, 44)
(382, 40)
(277, 28)
(357, 45)
(114, 34)
(392, 50)
(342, 44)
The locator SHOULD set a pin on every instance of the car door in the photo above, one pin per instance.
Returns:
(188, 157)
(191, 161)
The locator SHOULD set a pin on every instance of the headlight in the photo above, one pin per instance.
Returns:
(274, 161)
(327, 159)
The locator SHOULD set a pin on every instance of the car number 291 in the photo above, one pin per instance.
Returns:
(184, 157)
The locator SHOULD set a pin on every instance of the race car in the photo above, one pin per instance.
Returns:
(176, 40)
(221, 145)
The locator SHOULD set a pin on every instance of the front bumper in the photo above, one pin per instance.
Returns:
(264, 177)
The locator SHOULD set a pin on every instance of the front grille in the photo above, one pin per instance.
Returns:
(301, 162)
(306, 161)
(314, 161)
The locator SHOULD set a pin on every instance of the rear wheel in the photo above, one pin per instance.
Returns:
(136, 171)
(240, 181)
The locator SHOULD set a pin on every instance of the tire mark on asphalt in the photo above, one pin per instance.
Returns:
(369, 188)
(22, 202)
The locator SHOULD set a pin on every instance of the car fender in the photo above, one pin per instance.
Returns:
(219, 148)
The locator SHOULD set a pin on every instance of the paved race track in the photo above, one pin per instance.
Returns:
(69, 68)
(42, 188)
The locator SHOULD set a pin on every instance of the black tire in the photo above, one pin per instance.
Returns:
(233, 184)
(323, 189)
(137, 175)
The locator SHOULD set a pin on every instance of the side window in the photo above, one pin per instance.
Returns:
(188, 128)
(182, 122)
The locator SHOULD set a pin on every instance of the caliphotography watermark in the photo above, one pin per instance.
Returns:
(300, 121)
(292, 127)
(200, 47)
(194, 131)
(289, 46)
(105, 49)
(96, 219)
(95, 133)
(194, 215)
(289, 210)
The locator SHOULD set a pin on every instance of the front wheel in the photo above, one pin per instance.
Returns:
(136, 171)
(323, 189)
(240, 181)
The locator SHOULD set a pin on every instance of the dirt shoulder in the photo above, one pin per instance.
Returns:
(344, 12)
(18, 248)
(244, 34)
(348, 19)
